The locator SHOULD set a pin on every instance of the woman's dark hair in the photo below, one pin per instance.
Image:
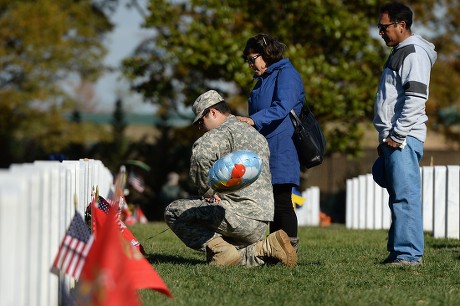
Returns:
(269, 47)
(397, 12)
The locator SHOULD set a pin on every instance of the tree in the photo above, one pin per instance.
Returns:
(119, 145)
(334, 45)
(43, 43)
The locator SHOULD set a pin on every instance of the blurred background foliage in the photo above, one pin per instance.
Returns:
(43, 43)
(334, 44)
(51, 51)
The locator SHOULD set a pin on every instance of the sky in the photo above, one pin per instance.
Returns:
(120, 44)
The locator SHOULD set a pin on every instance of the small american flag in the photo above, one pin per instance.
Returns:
(74, 248)
(103, 205)
(137, 182)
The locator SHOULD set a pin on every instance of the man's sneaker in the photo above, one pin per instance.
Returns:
(403, 263)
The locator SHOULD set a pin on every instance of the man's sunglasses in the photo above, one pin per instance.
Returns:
(383, 27)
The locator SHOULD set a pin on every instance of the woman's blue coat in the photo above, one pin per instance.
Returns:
(276, 92)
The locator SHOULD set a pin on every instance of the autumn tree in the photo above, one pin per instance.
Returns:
(42, 44)
(197, 45)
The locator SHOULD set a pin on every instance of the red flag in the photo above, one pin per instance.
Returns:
(99, 213)
(144, 275)
(129, 237)
(113, 261)
(74, 248)
(104, 279)
(130, 220)
(139, 215)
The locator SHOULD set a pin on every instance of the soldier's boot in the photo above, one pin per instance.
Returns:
(221, 253)
(278, 246)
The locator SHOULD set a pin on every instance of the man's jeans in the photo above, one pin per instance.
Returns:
(402, 173)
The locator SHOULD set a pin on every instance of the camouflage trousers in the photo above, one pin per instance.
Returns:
(197, 221)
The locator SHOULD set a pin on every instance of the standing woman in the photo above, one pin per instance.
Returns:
(279, 89)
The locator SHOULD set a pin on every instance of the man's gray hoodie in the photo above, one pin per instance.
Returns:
(399, 108)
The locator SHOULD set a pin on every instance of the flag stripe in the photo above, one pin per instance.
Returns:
(76, 257)
(63, 255)
(62, 252)
(70, 254)
(137, 182)
(73, 248)
(85, 254)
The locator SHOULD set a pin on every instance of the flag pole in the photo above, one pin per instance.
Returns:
(94, 202)
(75, 201)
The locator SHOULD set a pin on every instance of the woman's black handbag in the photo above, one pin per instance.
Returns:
(308, 138)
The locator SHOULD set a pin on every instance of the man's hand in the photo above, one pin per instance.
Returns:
(213, 199)
(391, 143)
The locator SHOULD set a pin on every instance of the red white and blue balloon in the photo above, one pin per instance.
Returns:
(235, 170)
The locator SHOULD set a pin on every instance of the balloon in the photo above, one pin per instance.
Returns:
(235, 170)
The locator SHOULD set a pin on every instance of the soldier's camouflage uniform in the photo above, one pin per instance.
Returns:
(241, 217)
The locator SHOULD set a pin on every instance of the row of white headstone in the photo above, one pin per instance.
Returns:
(367, 202)
(37, 203)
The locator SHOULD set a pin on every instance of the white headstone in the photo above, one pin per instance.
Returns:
(439, 208)
(370, 203)
(453, 211)
(427, 198)
(348, 204)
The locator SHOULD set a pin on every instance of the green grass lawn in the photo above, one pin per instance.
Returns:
(336, 267)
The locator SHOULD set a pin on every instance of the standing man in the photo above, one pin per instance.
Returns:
(230, 227)
(399, 117)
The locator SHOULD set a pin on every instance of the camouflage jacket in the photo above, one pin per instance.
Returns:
(254, 201)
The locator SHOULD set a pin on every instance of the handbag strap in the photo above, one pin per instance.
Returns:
(295, 120)
(305, 109)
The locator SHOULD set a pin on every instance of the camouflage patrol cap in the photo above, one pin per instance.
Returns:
(204, 101)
